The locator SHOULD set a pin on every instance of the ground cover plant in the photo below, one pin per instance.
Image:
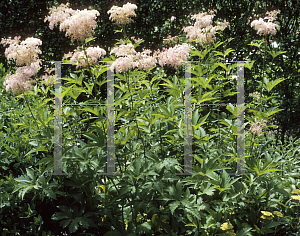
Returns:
(148, 198)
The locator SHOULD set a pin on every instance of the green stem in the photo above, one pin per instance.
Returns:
(263, 74)
(251, 145)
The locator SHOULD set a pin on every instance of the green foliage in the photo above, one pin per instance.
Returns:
(148, 198)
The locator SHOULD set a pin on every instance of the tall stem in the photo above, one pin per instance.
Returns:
(263, 74)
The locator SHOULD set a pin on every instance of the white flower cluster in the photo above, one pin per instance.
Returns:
(121, 14)
(59, 14)
(266, 28)
(92, 54)
(130, 59)
(25, 53)
(79, 25)
(174, 56)
(203, 31)
(256, 127)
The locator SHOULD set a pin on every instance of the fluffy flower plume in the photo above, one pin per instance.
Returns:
(145, 61)
(93, 53)
(130, 59)
(24, 53)
(121, 14)
(79, 25)
(21, 81)
(18, 83)
(59, 14)
(203, 31)
(174, 56)
(123, 64)
(123, 50)
(266, 28)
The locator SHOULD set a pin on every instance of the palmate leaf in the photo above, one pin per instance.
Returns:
(25, 183)
(222, 183)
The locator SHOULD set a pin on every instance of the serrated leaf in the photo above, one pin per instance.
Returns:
(173, 206)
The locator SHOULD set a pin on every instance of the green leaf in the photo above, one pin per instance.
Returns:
(269, 85)
(275, 54)
(73, 227)
(89, 40)
(244, 232)
(39, 149)
(173, 206)
(76, 91)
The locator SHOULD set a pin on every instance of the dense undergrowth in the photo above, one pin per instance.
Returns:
(149, 198)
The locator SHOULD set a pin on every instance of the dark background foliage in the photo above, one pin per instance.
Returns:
(26, 18)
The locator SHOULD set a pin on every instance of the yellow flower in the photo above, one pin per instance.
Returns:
(226, 226)
(295, 198)
(277, 213)
(296, 191)
(231, 233)
(101, 187)
(267, 215)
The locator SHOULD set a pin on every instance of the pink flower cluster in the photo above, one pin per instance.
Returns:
(92, 54)
(121, 14)
(256, 127)
(174, 56)
(127, 58)
(79, 25)
(25, 53)
(266, 28)
(21, 81)
(130, 59)
(203, 31)
(59, 14)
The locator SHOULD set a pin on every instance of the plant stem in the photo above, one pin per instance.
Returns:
(263, 74)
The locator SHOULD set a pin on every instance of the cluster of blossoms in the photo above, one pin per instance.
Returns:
(203, 31)
(265, 28)
(121, 14)
(174, 56)
(92, 54)
(79, 25)
(25, 53)
(255, 95)
(48, 78)
(256, 127)
(59, 14)
(128, 58)
(228, 227)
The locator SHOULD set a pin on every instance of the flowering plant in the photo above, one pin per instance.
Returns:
(148, 125)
